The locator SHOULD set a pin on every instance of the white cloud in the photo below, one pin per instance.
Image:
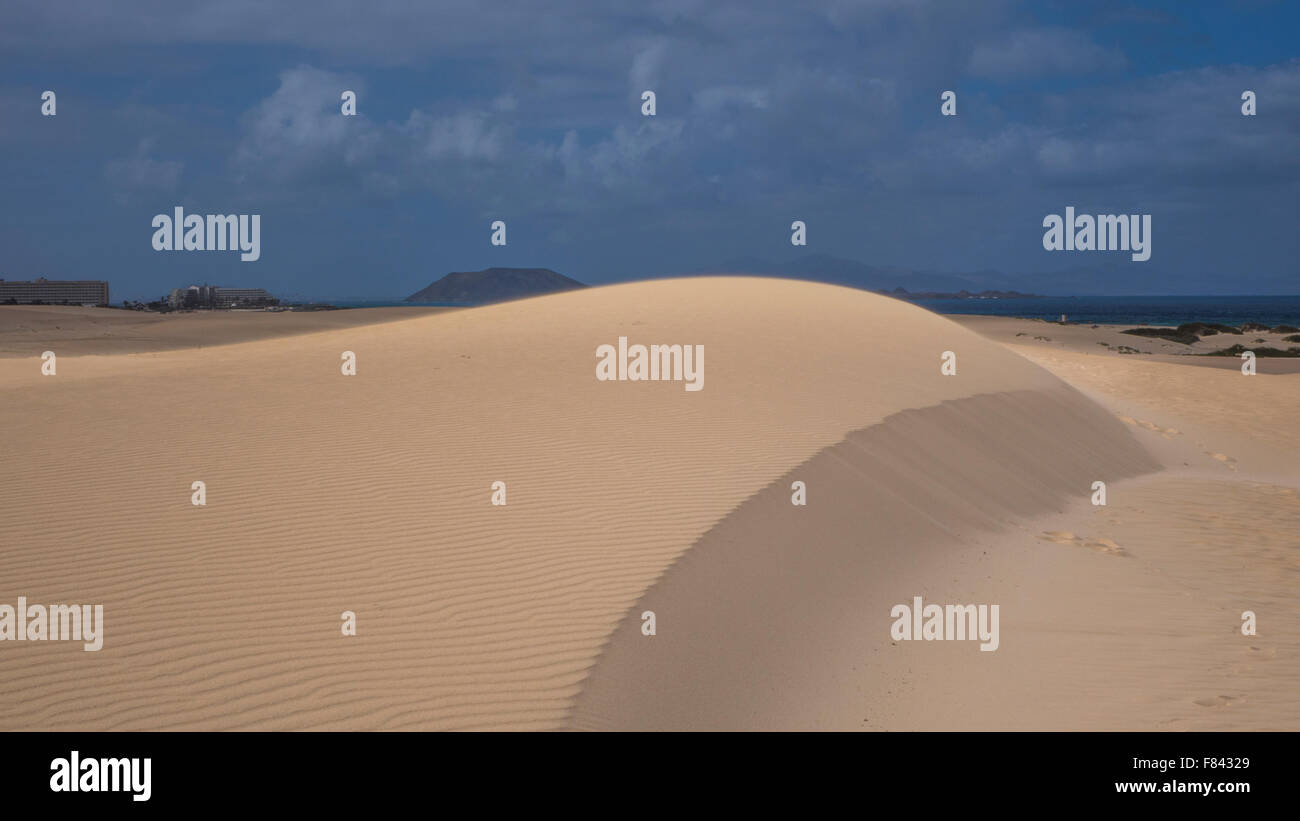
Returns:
(468, 135)
(713, 99)
(142, 172)
(1042, 51)
(300, 132)
(645, 71)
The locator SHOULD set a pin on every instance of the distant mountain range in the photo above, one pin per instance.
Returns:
(494, 285)
(854, 274)
(1113, 277)
(903, 293)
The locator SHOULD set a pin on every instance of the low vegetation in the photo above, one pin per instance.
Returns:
(1238, 350)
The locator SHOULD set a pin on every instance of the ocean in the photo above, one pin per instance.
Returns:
(1132, 310)
(1103, 310)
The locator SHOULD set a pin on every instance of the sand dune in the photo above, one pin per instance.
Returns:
(1127, 621)
(372, 493)
(1112, 342)
(29, 330)
(1213, 418)
(784, 611)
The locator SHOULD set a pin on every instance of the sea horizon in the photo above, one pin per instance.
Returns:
(1130, 310)
(1153, 309)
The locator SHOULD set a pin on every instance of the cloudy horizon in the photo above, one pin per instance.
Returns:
(530, 113)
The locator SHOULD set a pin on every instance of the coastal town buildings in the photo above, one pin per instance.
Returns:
(42, 291)
(213, 296)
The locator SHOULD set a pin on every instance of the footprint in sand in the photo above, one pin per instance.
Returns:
(1215, 702)
(1250, 657)
(1224, 458)
(1101, 544)
(1168, 433)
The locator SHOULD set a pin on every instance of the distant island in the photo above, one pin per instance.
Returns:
(903, 293)
(494, 285)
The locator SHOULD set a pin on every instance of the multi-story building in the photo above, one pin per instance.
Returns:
(54, 292)
(213, 296)
(232, 297)
(195, 296)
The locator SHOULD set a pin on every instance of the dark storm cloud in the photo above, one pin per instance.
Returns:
(823, 111)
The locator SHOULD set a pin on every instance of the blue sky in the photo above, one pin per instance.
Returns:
(824, 111)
